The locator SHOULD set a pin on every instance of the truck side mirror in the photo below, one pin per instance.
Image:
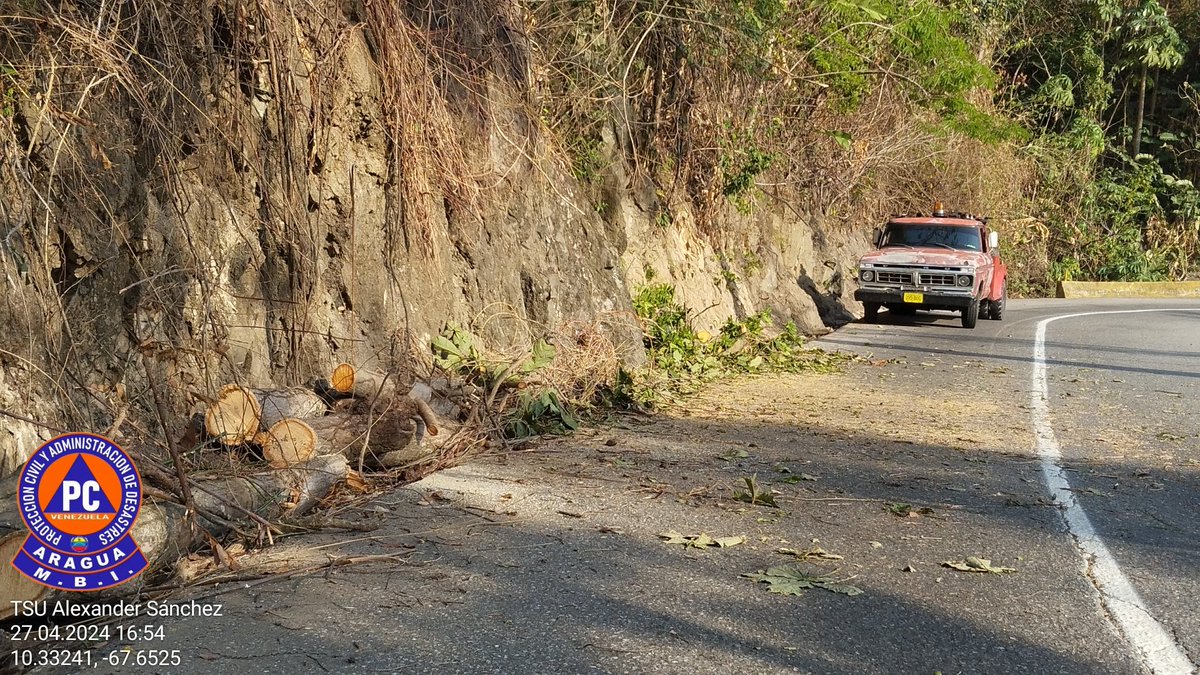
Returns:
(993, 240)
(877, 237)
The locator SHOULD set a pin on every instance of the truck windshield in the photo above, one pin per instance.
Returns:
(939, 236)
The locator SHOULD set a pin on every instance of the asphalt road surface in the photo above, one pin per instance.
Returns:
(1072, 459)
(1113, 404)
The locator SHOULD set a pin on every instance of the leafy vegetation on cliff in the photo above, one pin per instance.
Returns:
(681, 357)
(1075, 124)
(549, 390)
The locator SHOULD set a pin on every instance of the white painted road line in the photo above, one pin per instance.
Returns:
(1159, 653)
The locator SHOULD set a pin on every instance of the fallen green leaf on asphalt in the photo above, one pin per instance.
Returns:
(973, 564)
(907, 510)
(701, 540)
(815, 552)
(788, 580)
(754, 494)
(734, 454)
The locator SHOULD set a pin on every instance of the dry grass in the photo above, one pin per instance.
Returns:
(102, 99)
(585, 361)
(122, 123)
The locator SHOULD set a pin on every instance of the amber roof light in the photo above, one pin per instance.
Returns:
(938, 209)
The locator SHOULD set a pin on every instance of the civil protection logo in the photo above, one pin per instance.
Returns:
(79, 495)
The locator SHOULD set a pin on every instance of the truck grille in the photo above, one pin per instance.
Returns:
(894, 277)
(937, 279)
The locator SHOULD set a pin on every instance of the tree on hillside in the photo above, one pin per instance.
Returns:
(1150, 42)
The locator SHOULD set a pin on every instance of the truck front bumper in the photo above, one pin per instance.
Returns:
(931, 300)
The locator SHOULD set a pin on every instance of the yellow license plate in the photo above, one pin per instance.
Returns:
(915, 298)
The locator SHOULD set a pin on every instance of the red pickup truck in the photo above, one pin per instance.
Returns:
(944, 260)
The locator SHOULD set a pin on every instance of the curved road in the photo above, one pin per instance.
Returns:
(1072, 459)
(1113, 387)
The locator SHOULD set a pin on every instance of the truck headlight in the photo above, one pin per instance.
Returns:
(964, 280)
(867, 275)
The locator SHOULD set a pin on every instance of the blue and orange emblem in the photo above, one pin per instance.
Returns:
(79, 495)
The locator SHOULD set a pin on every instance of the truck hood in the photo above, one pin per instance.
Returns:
(939, 257)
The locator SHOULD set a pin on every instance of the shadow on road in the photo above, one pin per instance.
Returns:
(561, 571)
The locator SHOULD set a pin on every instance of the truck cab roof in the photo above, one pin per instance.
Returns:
(932, 220)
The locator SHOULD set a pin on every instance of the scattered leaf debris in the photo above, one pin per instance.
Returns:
(973, 564)
(702, 540)
(810, 553)
(754, 494)
(790, 580)
(907, 510)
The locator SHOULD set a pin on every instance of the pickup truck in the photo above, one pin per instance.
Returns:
(948, 261)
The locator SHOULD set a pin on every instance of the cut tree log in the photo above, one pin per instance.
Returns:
(165, 533)
(234, 417)
(369, 385)
(13, 585)
(342, 379)
(288, 442)
(390, 436)
(278, 404)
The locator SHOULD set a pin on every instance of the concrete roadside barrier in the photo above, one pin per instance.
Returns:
(1129, 289)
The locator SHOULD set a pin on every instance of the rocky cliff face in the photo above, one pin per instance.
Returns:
(230, 192)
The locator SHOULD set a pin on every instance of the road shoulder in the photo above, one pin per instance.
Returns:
(551, 559)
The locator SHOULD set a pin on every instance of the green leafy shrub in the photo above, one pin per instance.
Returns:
(742, 161)
(683, 358)
(456, 351)
(539, 409)
(587, 157)
(542, 412)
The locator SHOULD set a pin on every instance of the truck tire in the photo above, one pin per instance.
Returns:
(996, 307)
(870, 311)
(970, 314)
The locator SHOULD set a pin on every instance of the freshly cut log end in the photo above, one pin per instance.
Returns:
(343, 378)
(234, 417)
(370, 386)
(13, 584)
(288, 443)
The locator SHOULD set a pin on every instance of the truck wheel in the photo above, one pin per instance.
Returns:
(870, 311)
(996, 310)
(970, 314)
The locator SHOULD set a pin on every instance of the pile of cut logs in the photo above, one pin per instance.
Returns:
(357, 414)
(310, 437)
